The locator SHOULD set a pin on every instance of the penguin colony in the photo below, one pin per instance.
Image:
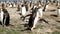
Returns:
(36, 12)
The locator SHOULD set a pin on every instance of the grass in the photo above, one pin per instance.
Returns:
(16, 29)
(40, 26)
(4, 30)
(58, 27)
(54, 25)
(14, 20)
(56, 32)
(12, 31)
(47, 33)
(29, 32)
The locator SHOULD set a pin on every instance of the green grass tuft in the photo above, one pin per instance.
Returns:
(56, 32)
(58, 27)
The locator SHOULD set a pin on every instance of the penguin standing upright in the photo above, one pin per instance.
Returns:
(40, 10)
(14, 5)
(58, 11)
(5, 16)
(34, 17)
(1, 15)
(23, 10)
(30, 3)
(10, 5)
(45, 7)
(34, 6)
(18, 8)
(31, 19)
(26, 6)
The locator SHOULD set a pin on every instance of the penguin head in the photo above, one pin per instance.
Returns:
(36, 8)
(22, 5)
(3, 6)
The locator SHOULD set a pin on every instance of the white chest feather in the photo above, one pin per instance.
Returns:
(23, 10)
(14, 5)
(46, 6)
(58, 12)
(35, 6)
(2, 15)
(40, 12)
(10, 5)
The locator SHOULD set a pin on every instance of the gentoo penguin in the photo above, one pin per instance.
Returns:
(34, 17)
(40, 10)
(39, 14)
(57, 3)
(30, 3)
(14, 5)
(1, 15)
(58, 11)
(10, 5)
(23, 10)
(5, 18)
(40, 1)
(18, 8)
(26, 6)
(45, 7)
(34, 6)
